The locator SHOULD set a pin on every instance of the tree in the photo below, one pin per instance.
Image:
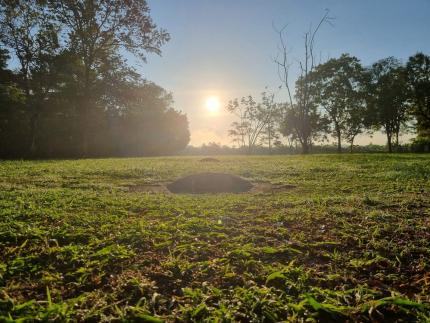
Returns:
(270, 132)
(95, 31)
(146, 123)
(418, 69)
(301, 118)
(270, 135)
(73, 93)
(356, 122)
(30, 34)
(337, 87)
(302, 121)
(388, 99)
(255, 118)
(11, 109)
(5, 78)
(238, 128)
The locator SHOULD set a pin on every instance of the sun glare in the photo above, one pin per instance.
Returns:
(213, 104)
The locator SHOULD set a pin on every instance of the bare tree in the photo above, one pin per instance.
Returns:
(301, 117)
(283, 64)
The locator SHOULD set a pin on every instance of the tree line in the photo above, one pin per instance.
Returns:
(217, 149)
(66, 89)
(339, 98)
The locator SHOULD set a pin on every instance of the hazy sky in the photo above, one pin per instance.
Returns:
(225, 47)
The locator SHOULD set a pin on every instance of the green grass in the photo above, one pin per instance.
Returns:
(350, 243)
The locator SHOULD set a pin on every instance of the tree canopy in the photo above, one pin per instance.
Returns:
(418, 70)
(338, 91)
(73, 93)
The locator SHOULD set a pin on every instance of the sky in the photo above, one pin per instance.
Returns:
(225, 48)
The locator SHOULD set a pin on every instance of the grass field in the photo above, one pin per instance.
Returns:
(351, 241)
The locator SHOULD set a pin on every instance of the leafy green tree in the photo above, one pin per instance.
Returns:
(337, 89)
(356, 122)
(10, 93)
(388, 97)
(418, 68)
(12, 112)
(5, 78)
(95, 32)
(146, 123)
(302, 120)
(80, 96)
(30, 34)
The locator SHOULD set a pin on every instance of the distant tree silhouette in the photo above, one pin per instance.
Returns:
(418, 68)
(255, 120)
(338, 89)
(148, 125)
(388, 97)
(303, 121)
(270, 133)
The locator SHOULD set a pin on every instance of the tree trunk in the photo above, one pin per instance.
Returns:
(397, 140)
(305, 147)
(390, 145)
(352, 145)
(270, 144)
(338, 136)
(86, 107)
(33, 129)
(83, 114)
(84, 130)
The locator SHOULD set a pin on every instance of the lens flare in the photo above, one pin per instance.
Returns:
(213, 104)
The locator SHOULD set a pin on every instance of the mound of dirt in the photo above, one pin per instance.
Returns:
(210, 183)
(210, 159)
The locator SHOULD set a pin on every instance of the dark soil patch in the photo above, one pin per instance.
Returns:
(210, 183)
(209, 160)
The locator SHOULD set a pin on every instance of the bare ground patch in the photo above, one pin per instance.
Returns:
(211, 183)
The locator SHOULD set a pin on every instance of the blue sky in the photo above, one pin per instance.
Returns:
(225, 47)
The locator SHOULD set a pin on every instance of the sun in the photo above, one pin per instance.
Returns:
(213, 104)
